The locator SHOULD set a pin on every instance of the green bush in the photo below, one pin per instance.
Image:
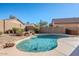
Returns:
(19, 32)
(36, 30)
(14, 29)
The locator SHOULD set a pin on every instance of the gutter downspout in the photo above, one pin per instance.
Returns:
(4, 26)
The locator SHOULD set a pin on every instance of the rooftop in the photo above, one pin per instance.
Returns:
(66, 20)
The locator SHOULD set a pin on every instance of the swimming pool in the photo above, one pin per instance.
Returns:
(39, 43)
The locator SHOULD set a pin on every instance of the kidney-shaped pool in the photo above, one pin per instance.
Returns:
(39, 43)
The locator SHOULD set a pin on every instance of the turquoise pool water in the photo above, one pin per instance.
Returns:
(39, 43)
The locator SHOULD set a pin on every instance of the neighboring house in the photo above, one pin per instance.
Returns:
(29, 27)
(69, 25)
(10, 23)
(66, 22)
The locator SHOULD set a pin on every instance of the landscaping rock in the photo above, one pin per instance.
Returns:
(7, 45)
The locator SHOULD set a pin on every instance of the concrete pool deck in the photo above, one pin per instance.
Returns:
(65, 47)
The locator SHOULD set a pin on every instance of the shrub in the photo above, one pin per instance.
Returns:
(19, 32)
(8, 31)
(14, 29)
(36, 30)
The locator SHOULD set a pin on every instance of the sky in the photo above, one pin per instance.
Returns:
(34, 12)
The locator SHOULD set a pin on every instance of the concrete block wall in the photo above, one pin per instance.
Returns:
(52, 30)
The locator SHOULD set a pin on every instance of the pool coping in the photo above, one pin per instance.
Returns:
(17, 42)
(38, 34)
(45, 34)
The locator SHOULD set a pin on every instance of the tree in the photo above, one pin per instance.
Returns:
(37, 28)
(43, 23)
(12, 17)
(27, 22)
(50, 25)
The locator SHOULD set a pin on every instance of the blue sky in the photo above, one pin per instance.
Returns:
(34, 12)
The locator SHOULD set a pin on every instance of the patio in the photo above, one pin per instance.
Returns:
(65, 47)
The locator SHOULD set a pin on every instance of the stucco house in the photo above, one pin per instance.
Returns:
(66, 22)
(7, 24)
(70, 25)
(29, 27)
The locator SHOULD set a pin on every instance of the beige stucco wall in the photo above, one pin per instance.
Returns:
(1, 25)
(67, 25)
(9, 24)
(58, 30)
(52, 30)
(46, 29)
